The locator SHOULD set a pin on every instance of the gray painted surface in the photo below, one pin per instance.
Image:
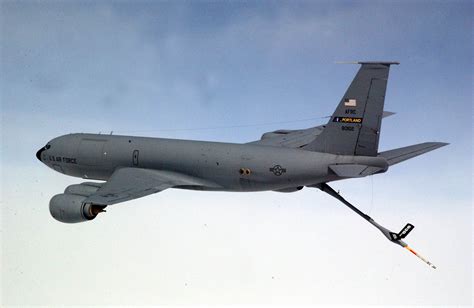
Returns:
(355, 125)
(283, 160)
(401, 154)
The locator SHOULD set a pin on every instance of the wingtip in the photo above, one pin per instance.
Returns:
(440, 144)
(437, 144)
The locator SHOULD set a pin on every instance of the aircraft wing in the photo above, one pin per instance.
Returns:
(296, 138)
(132, 183)
(289, 138)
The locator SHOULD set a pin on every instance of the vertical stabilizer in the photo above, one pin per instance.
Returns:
(354, 128)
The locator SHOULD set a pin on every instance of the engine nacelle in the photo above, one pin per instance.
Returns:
(69, 208)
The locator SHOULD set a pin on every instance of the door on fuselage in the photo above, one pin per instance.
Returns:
(91, 152)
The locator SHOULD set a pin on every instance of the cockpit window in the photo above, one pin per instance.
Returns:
(47, 146)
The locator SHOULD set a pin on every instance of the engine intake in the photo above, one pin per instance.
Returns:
(69, 208)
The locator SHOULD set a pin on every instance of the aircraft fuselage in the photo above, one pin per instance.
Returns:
(228, 166)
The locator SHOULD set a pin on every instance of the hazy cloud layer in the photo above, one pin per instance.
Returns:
(126, 67)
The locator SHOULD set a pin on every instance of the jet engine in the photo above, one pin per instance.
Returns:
(69, 208)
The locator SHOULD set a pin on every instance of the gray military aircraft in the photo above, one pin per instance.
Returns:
(283, 160)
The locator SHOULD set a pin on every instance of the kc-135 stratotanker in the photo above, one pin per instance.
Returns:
(283, 160)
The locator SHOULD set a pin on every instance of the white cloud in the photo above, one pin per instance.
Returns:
(100, 67)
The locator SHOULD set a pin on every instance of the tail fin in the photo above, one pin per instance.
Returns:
(354, 128)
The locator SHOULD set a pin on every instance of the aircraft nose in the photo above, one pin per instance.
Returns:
(38, 154)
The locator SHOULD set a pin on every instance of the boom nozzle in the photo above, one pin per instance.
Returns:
(420, 257)
(396, 238)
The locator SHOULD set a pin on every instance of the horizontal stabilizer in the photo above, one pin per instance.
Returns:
(386, 114)
(401, 154)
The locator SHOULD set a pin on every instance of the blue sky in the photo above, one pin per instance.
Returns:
(162, 68)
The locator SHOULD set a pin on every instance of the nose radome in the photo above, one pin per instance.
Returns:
(38, 154)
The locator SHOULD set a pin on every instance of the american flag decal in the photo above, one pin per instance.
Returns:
(350, 102)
